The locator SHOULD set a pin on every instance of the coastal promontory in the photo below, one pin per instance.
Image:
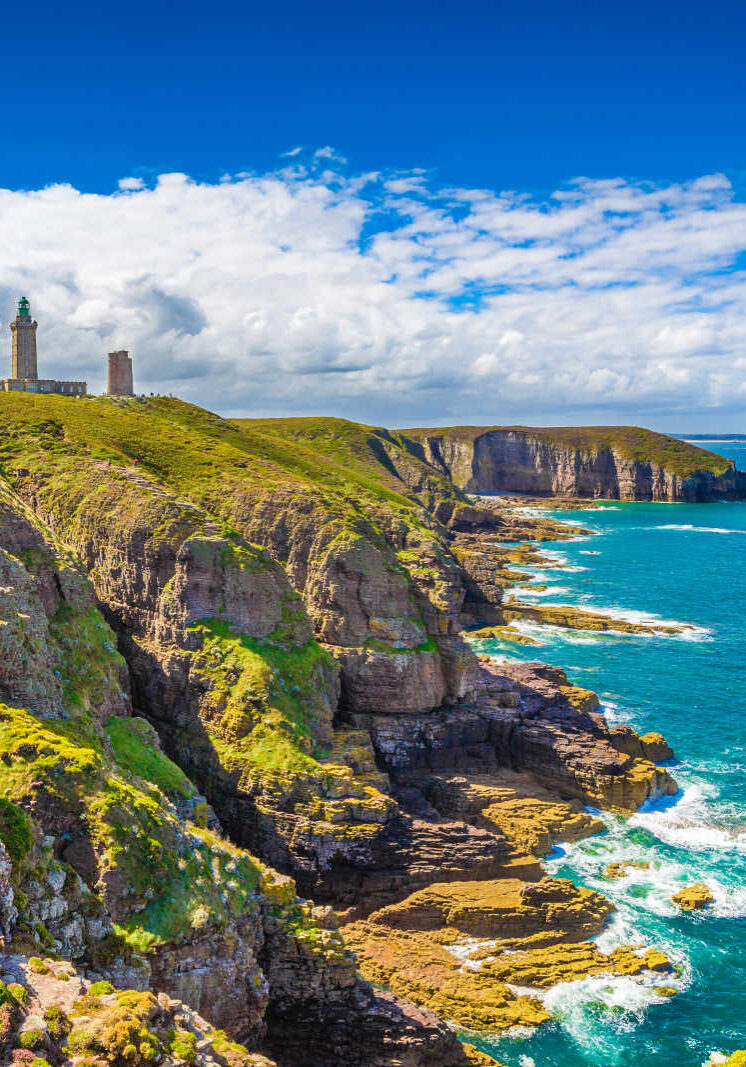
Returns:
(261, 800)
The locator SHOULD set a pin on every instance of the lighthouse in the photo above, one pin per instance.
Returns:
(24, 372)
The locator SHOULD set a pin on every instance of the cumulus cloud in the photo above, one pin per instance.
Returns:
(384, 297)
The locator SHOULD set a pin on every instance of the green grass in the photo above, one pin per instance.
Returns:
(16, 834)
(199, 454)
(89, 662)
(267, 698)
(211, 884)
(135, 749)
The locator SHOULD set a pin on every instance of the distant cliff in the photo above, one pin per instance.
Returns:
(621, 463)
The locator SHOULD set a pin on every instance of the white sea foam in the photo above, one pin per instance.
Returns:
(729, 903)
(688, 630)
(612, 712)
(464, 950)
(686, 833)
(619, 1002)
(693, 823)
(697, 529)
(550, 590)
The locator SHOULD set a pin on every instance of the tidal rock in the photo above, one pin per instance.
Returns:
(694, 897)
(463, 948)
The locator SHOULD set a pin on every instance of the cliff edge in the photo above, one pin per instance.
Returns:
(611, 462)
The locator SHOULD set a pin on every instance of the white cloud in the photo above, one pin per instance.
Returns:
(128, 185)
(383, 297)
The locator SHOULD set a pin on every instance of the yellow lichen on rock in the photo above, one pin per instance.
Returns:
(413, 965)
(641, 780)
(503, 908)
(504, 633)
(655, 746)
(461, 948)
(479, 1059)
(581, 699)
(542, 968)
(519, 807)
(694, 897)
(621, 870)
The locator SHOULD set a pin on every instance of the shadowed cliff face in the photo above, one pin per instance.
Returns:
(535, 462)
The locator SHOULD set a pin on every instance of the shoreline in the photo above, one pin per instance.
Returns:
(569, 1000)
(410, 940)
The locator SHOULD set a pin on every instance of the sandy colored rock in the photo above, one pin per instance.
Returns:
(574, 618)
(508, 934)
(621, 870)
(655, 747)
(517, 805)
(694, 897)
(479, 1059)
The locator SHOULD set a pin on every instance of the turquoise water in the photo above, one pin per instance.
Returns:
(677, 562)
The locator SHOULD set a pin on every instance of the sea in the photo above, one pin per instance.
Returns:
(686, 563)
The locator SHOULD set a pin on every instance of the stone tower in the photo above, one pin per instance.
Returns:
(119, 380)
(23, 364)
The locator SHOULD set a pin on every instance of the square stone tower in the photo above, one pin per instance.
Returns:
(119, 380)
(23, 363)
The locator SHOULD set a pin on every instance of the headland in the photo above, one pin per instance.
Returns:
(262, 801)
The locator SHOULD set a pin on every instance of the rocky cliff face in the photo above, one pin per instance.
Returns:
(526, 461)
(106, 860)
(287, 626)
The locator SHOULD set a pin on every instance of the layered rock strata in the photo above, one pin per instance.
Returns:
(107, 862)
(462, 948)
(291, 627)
(618, 463)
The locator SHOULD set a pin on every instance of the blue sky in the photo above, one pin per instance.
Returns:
(343, 209)
(508, 95)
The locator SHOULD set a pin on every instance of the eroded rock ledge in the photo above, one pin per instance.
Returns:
(614, 462)
(288, 627)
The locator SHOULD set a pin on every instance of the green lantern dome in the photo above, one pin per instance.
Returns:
(24, 308)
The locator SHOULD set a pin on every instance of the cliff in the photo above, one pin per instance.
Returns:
(113, 861)
(233, 677)
(618, 463)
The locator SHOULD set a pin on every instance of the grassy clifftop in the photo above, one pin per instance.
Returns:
(632, 442)
(192, 450)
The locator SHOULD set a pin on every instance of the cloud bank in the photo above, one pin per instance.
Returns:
(388, 298)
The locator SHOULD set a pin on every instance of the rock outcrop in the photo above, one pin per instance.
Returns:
(462, 948)
(527, 718)
(618, 463)
(234, 679)
(694, 898)
(106, 859)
